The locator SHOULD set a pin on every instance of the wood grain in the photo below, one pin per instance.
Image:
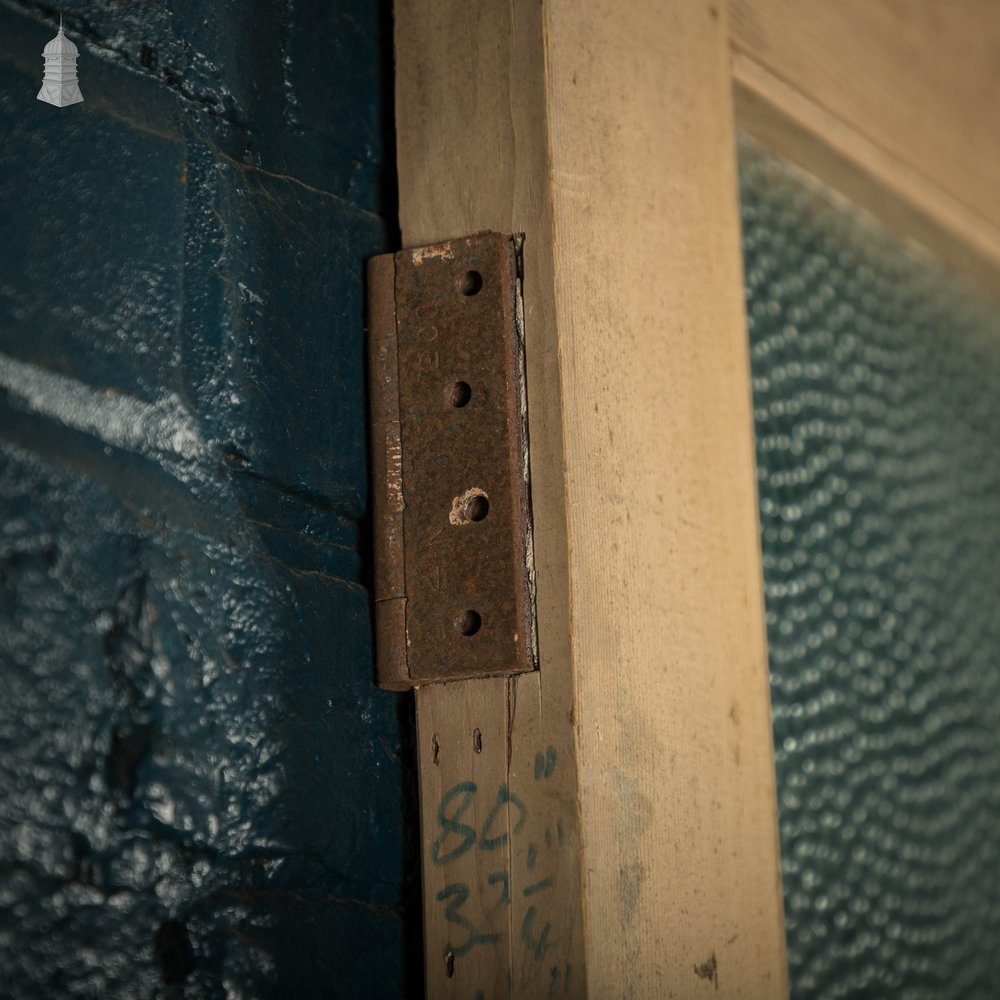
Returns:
(673, 727)
(472, 156)
(897, 192)
(604, 132)
(463, 742)
(920, 80)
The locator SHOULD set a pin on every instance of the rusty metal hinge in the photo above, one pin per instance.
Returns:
(453, 570)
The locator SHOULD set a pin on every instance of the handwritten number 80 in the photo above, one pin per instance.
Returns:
(449, 821)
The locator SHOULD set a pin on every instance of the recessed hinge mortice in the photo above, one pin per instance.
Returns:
(454, 595)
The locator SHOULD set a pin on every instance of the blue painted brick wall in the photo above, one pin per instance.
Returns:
(201, 792)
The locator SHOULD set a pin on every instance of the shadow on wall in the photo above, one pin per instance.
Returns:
(201, 792)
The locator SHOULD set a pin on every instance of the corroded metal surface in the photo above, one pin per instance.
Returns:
(387, 490)
(450, 459)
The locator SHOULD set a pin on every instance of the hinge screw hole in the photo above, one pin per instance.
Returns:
(468, 622)
(459, 394)
(477, 508)
(472, 505)
(470, 282)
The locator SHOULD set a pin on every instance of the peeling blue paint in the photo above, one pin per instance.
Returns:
(201, 792)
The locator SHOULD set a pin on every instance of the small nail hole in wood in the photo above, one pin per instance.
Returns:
(477, 741)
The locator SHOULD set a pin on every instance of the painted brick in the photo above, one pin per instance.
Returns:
(201, 792)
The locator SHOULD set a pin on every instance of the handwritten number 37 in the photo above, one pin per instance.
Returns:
(460, 892)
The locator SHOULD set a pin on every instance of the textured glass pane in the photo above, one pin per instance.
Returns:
(876, 379)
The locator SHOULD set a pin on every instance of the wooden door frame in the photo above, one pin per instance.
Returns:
(632, 778)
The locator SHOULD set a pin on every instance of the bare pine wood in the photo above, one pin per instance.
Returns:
(897, 192)
(920, 80)
(641, 754)
(472, 155)
(677, 776)
(462, 729)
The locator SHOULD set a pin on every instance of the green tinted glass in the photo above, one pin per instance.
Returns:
(876, 380)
